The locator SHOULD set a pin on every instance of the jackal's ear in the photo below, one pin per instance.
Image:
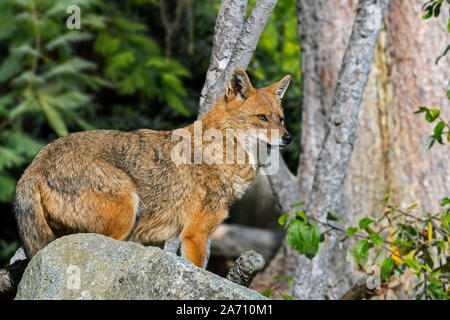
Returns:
(239, 85)
(280, 87)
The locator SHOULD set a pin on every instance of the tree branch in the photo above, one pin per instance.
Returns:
(242, 50)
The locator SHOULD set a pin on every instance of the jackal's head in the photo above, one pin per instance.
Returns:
(257, 110)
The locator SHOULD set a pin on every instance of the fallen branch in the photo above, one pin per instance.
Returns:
(245, 268)
(10, 278)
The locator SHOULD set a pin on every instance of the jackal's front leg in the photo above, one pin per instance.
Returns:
(195, 238)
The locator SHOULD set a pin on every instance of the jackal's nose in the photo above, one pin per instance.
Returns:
(287, 138)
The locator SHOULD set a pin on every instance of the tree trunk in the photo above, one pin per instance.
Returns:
(311, 278)
(242, 47)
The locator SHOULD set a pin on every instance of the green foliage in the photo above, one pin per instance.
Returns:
(124, 55)
(43, 81)
(303, 234)
(410, 241)
(441, 130)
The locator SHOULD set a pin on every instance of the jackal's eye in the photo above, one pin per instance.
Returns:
(262, 117)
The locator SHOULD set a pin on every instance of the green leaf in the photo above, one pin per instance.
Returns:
(412, 206)
(386, 197)
(7, 186)
(429, 143)
(412, 264)
(434, 281)
(435, 292)
(27, 78)
(157, 62)
(10, 158)
(363, 223)
(445, 201)
(129, 25)
(437, 9)
(333, 217)
(67, 38)
(73, 66)
(287, 297)
(173, 84)
(25, 49)
(351, 231)
(444, 276)
(421, 109)
(176, 104)
(376, 239)
(311, 237)
(438, 131)
(106, 45)
(53, 117)
(435, 273)
(361, 251)
(386, 268)
(282, 219)
(428, 14)
(266, 293)
(431, 115)
(301, 215)
(299, 204)
(21, 143)
(293, 235)
(10, 67)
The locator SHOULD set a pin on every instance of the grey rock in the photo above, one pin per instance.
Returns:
(92, 266)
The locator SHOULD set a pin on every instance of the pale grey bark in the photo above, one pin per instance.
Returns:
(242, 51)
(311, 277)
(284, 186)
(229, 23)
(324, 30)
(310, 15)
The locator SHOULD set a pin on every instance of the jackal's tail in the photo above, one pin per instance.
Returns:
(34, 231)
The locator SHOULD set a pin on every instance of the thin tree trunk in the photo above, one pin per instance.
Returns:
(324, 31)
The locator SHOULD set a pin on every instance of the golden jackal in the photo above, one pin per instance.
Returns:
(126, 186)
